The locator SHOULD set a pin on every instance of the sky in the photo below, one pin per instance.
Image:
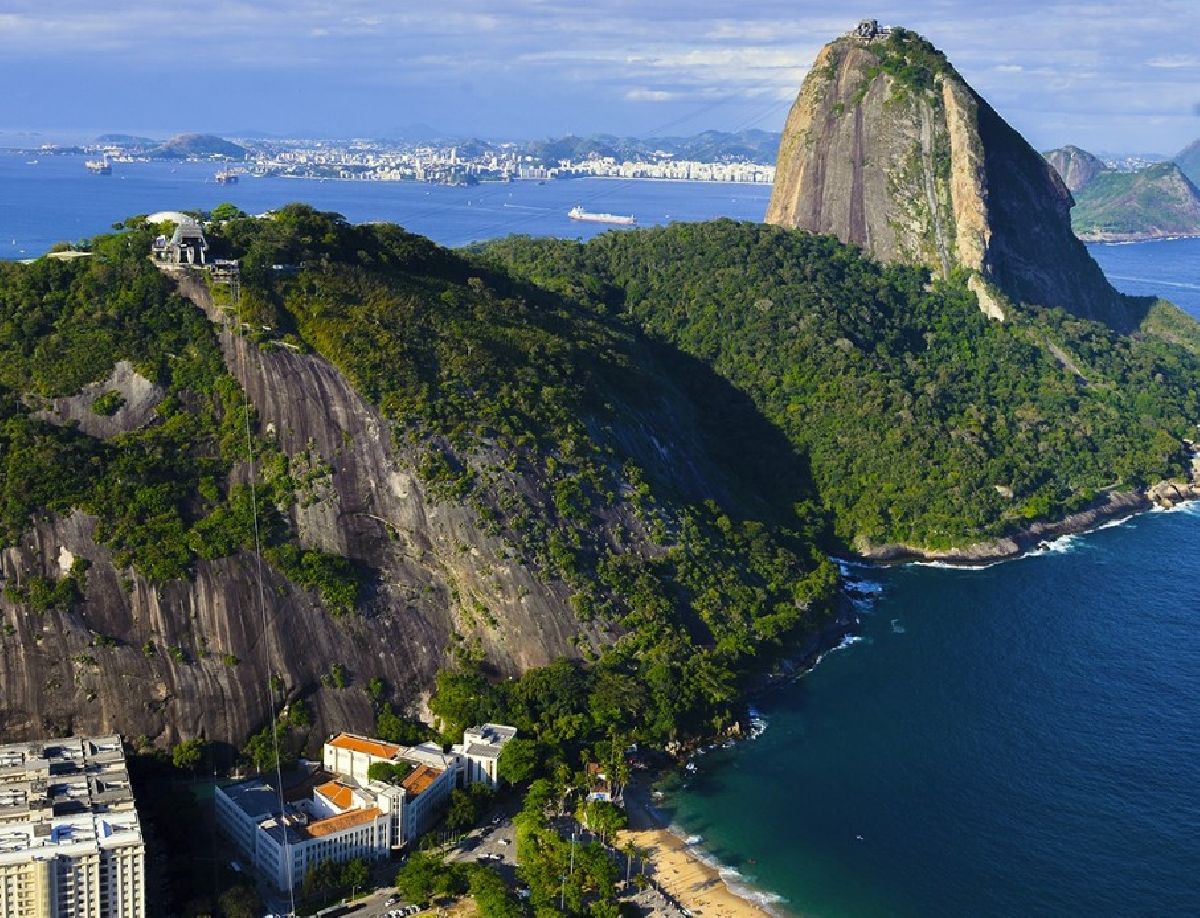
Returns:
(1106, 75)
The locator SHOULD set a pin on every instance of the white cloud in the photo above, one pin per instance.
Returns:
(650, 95)
(1175, 62)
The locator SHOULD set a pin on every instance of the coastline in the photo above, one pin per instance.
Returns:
(1126, 238)
(680, 870)
(1114, 507)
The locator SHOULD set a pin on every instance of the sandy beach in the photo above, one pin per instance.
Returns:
(695, 885)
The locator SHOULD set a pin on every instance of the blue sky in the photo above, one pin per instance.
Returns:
(1113, 76)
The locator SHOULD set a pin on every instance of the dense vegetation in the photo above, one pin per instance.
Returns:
(523, 405)
(160, 493)
(924, 422)
(1157, 199)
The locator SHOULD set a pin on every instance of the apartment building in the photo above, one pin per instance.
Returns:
(70, 842)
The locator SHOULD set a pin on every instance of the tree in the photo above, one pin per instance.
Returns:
(389, 772)
(376, 688)
(226, 211)
(393, 728)
(602, 817)
(491, 894)
(463, 812)
(240, 901)
(463, 698)
(518, 761)
(419, 878)
(188, 755)
(355, 875)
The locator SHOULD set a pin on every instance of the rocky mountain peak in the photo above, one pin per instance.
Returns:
(1077, 167)
(889, 148)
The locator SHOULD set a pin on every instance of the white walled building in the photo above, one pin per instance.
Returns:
(281, 838)
(480, 751)
(70, 841)
(347, 814)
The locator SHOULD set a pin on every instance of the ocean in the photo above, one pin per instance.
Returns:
(57, 200)
(1017, 740)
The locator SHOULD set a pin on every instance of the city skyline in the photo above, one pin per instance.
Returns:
(1093, 74)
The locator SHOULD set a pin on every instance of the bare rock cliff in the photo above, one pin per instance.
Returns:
(888, 147)
(1077, 167)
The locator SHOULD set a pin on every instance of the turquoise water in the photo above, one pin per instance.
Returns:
(1019, 740)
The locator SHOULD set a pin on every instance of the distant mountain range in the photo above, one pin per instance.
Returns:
(1160, 199)
(709, 146)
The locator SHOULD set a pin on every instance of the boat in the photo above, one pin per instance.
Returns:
(99, 166)
(578, 213)
(226, 177)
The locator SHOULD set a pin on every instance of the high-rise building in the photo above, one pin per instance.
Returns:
(70, 841)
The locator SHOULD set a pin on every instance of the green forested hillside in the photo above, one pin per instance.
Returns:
(1156, 200)
(522, 404)
(538, 413)
(919, 416)
(159, 492)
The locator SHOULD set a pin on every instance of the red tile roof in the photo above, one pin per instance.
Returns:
(362, 744)
(420, 779)
(333, 824)
(337, 793)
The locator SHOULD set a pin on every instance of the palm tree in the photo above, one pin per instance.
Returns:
(630, 852)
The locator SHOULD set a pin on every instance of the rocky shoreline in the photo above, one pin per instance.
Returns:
(1134, 237)
(1115, 505)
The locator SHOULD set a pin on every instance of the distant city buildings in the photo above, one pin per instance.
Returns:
(467, 163)
(369, 798)
(444, 165)
(70, 841)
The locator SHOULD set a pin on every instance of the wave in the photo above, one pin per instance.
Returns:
(738, 883)
(1182, 285)
(1062, 545)
(959, 566)
(1189, 507)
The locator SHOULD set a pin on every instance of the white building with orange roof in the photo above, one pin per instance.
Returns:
(347, 813)
(413, 799)
(283, 838)
(352, 755)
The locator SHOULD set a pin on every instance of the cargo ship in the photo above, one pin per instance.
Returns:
(578, 213)
(98, 167)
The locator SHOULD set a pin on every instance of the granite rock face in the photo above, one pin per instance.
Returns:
(888, 147)
(1077, 167)
(195, 656)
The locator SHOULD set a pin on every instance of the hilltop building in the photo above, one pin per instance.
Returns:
(343, 812)
(186, 246)
(70, 841)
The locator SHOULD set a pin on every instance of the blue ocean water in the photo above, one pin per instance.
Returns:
(1020, 740)
(57, 200)
(1169, 268)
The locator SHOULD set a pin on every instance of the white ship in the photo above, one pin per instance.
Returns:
(578, 213)
(98, 167)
